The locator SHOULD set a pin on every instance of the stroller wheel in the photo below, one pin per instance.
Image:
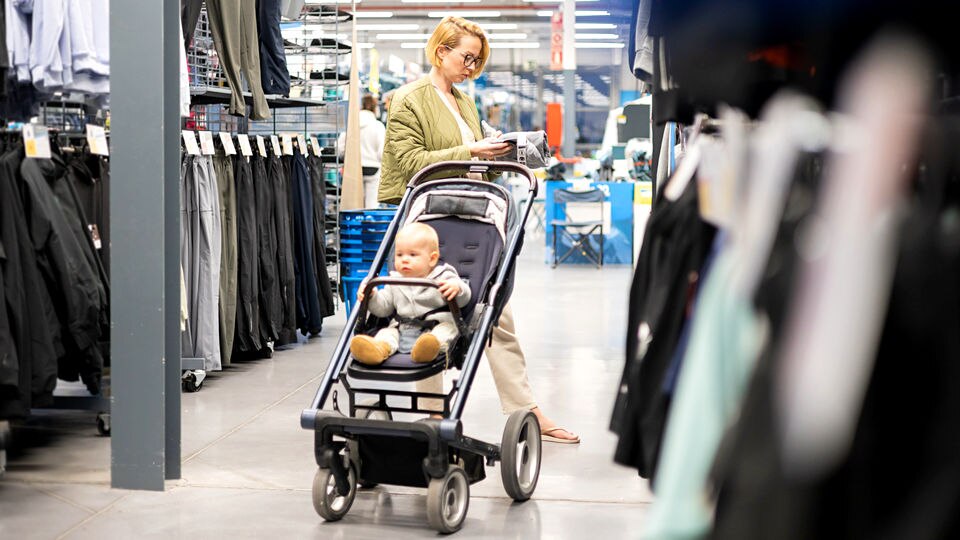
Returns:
(327, 501)
(520, 455)
(448, 499)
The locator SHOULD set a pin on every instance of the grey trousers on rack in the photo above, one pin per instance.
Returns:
(200, 237)
(223, 165)
(234, 27)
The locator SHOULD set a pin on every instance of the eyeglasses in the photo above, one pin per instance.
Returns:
(469, 60)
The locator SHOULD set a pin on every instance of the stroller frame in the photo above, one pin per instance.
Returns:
(432, 453)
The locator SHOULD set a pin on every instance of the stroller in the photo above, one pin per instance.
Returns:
(473, 220)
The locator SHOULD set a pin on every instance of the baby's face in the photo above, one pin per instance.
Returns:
(413, 257)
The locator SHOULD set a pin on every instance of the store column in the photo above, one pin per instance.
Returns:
(145, 263)
(569, 79)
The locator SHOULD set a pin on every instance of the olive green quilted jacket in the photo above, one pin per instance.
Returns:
(421, 131)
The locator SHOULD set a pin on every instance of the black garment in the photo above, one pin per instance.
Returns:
(271, 303)
(367, 171)
(73, 207)
(278, 172)
(675, 246)
(273, 60)
(309, 318)
(189, 16)
(324, 289)
(89, 176)
(247, 338)
(32, 322)
(65, 262)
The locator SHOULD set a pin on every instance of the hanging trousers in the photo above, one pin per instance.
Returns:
(324, 289)
(223, 165)
(248, 267)
(271, 303)
(508, 365)
(234, 27)
(273, 60)
(285, 260)
(200, 247)
(309, 320)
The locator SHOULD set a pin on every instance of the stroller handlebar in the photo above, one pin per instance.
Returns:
(481, 167)
(422, 282)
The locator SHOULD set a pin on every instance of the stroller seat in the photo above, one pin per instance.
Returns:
(474, 249)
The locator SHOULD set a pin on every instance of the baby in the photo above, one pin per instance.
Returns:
(417, 254)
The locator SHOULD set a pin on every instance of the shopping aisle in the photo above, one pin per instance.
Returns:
(248, 466)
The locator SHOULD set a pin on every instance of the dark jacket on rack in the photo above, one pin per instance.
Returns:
(66, 264)
(34, 332)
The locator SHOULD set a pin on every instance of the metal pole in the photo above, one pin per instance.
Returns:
(569, 80)
(144, 202)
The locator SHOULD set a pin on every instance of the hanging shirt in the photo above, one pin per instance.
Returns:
(466, 134)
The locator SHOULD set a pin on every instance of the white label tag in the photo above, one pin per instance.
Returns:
(287, 144)
(302, 144)
(36, 141)
(245, 148)
(262, 146)
(227, 141)
(206, 143)
(190, 142)
(315, 145)
(275, 142)
(97, 140)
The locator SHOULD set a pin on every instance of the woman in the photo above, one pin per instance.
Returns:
(431, 121)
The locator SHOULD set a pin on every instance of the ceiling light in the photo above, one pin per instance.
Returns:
(515, 45)
(596, 36)
(372, 14)
(332, 1)
(555, 1)
(415, 45)
(440, 1)
(388, 26)
(463, 13)
(402, 37)
(507, 36)
(595, 45)
(578, 13)
(498, 26)
(594, 26)
(365, 45)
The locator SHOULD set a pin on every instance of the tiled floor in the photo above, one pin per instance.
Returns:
(248, 467)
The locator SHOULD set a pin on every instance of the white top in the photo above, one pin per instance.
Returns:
(466, 134)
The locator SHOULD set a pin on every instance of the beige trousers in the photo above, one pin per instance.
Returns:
(508, 365)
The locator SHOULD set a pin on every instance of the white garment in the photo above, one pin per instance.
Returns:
(184, 80)
(372, 135)
(466, 134)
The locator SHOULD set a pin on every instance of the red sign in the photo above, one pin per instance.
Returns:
(556, 41)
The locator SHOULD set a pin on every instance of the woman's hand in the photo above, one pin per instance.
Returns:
(487, 149)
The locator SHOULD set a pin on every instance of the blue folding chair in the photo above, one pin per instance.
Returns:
(578, 232)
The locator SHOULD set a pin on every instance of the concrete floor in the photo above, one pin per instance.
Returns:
(248, 467)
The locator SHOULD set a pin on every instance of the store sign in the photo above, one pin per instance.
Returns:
(556, 41)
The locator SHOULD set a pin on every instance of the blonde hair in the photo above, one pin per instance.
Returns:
(448, 34)
(421, 233)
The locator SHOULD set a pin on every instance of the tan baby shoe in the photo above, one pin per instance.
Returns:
(369, 351)
(425, 349)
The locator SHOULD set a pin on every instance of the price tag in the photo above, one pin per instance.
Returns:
(302, 144)
(190, 142)
(275, 142)
(245, 148)
(95, 235)
(206, 143)
(262, 146)
(36, 141)
(227, 141)
(97, 140)
(315, 145)
(287, 144)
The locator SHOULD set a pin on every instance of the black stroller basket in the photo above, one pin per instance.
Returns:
(481, 235)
